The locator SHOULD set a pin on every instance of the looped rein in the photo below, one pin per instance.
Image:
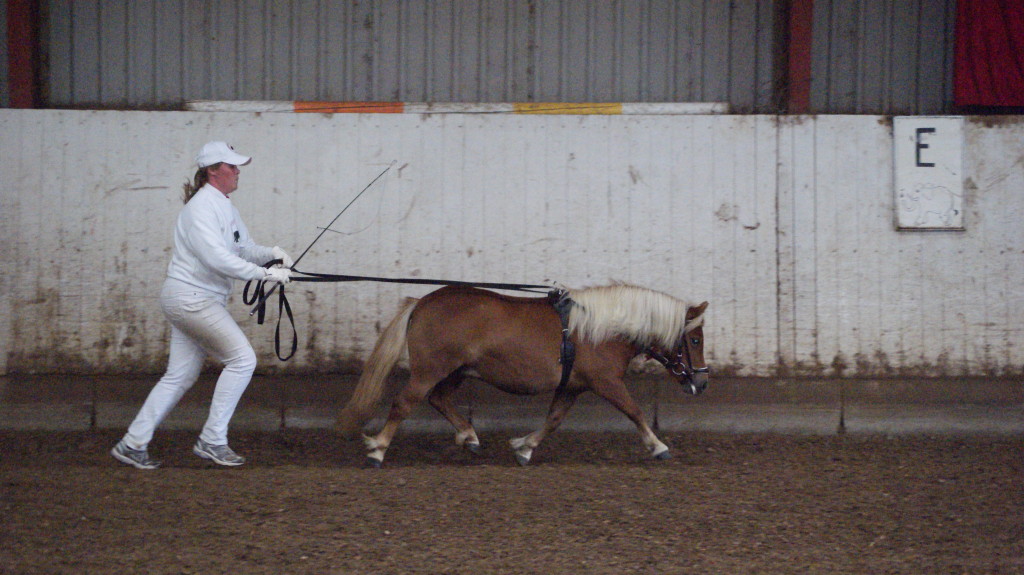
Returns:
(284, 308)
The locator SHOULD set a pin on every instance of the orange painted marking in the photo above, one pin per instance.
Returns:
(350, 107)
(567, 108)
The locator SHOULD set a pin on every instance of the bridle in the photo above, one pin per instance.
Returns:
(681, 364)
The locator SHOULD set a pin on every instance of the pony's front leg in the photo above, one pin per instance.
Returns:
(654, 445)
(615, 393)
(524, 446)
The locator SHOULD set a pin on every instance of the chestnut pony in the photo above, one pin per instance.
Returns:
(513, 343)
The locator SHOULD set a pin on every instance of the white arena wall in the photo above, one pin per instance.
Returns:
(784, 223)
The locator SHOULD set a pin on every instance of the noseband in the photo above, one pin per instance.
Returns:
(679, 366)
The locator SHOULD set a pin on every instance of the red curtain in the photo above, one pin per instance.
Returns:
(989, 61)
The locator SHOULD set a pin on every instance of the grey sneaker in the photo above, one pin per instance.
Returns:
(135, 457)
(220, 454)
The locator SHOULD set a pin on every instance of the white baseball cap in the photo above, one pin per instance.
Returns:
(217, 152)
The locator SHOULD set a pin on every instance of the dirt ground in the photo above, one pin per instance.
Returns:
(588, 503)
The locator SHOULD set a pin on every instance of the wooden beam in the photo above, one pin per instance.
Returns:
(23, 60)
(798, 56)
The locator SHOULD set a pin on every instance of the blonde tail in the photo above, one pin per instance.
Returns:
(370, 387)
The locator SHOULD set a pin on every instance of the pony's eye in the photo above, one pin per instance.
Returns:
(695, 341)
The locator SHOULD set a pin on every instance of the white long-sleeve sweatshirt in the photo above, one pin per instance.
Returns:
(212, 246)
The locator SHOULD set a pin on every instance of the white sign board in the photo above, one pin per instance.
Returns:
(928, 159)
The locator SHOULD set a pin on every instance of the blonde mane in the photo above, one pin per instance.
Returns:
(639, 315)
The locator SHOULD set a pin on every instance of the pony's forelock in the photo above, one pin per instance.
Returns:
(640, 315)
(694, 323)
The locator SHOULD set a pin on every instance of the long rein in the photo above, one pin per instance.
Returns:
(259, 295)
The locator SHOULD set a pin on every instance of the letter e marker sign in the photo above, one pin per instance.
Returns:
(928, 160)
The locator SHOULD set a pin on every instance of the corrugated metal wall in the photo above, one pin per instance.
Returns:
(869, 56)
(784, 223)
(121, 53)
(883, 56)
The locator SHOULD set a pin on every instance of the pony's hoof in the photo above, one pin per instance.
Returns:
(372, 463)
(473, 448)
(663, 456)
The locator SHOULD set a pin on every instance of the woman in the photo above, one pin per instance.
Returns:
(212, 248)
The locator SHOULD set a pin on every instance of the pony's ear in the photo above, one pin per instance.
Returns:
(695, 312)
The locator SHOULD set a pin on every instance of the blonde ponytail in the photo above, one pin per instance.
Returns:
(198, 181)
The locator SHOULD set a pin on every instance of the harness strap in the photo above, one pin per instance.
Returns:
(567, 356)
(675, 366)
(318, 277)
(284, 308)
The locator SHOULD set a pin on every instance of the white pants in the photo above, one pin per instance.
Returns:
(200, 326)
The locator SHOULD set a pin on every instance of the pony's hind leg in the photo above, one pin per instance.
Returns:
(377, 445)
(524, 446)
(441, 399)
(411, 395)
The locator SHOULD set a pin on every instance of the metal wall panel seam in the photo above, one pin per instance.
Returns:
(13, 194)
(113, 53)
(785, 256)
(51, 336)
(872, 226)
(805, 166)
(742, 206)
(833, 203)
(992, 218)
(718, 157)
(850, 200)
(765, 230)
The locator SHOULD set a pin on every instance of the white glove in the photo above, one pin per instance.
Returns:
(279, 275)
(278, 254)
